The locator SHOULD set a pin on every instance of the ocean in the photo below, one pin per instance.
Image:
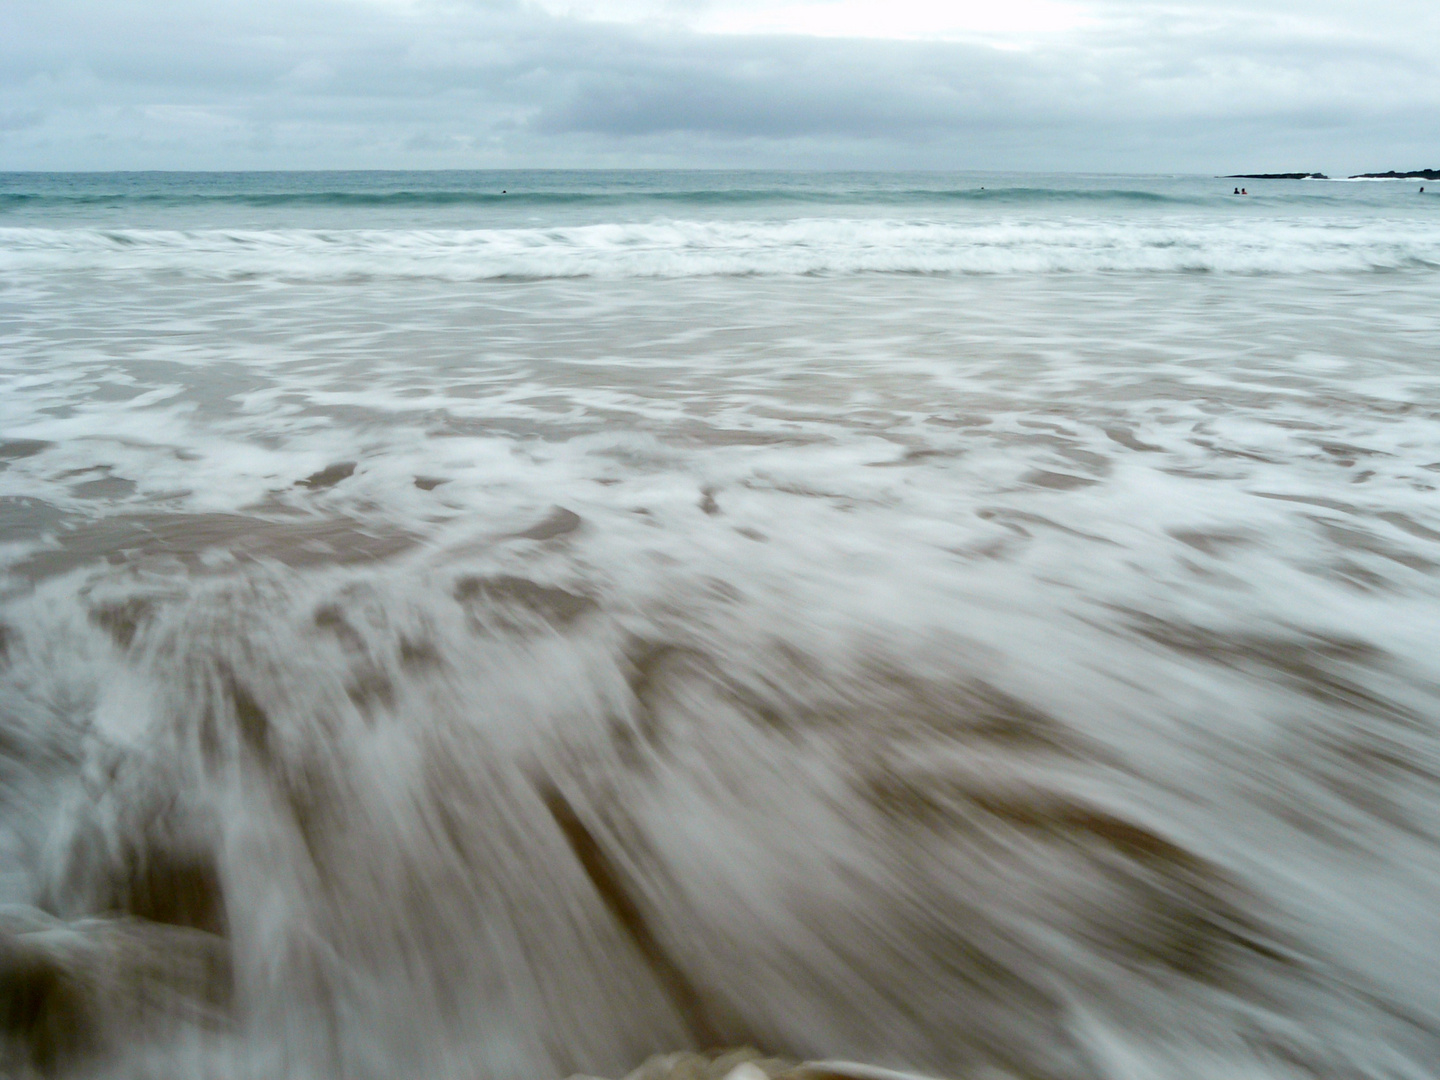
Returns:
(500, 626)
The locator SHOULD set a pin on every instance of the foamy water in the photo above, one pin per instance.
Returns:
(970, 633)
(670, 249)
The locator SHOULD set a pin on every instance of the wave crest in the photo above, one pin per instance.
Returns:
(677, 249)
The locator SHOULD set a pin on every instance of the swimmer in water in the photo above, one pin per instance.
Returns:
(1236, 191)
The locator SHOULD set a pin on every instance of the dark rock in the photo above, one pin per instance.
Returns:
(1415, 174)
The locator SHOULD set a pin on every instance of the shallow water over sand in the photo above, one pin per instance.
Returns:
(1026, 672)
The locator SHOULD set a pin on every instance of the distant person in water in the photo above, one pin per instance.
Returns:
(1236, 191)
(1244, 192)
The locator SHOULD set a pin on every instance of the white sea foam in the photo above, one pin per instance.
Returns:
(717, 247)
(1005, 671)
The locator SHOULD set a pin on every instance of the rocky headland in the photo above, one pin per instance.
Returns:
(1414, 174)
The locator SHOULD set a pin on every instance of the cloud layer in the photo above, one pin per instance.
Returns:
(1163, 85)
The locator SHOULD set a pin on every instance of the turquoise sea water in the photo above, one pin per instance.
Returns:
(480, 199)
(544, 224)
(511, 624)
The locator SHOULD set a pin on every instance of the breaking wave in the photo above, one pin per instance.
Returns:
(680, 248)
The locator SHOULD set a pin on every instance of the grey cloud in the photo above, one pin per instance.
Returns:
(342, 83)
(14, 120)
(781, 88)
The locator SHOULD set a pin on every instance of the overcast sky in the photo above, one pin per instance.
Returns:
(1088, 85)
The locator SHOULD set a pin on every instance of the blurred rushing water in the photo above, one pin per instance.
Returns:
(1026, 674)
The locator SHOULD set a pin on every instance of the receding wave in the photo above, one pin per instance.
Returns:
(673, 249)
